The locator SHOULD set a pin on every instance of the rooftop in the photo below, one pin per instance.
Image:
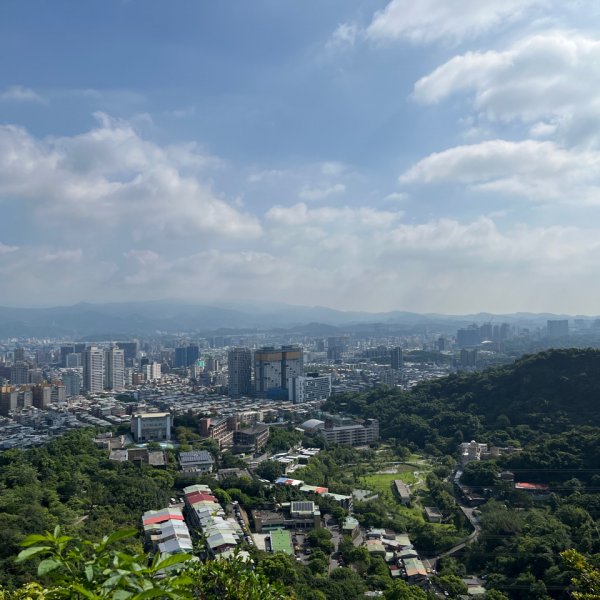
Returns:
(281, 541)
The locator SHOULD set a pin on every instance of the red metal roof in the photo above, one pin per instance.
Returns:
(542, 487)
(200, 497)
(162, 519)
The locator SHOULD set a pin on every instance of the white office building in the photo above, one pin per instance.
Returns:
(93, 369)
(114, 369)
(309, 388)
(151, 427)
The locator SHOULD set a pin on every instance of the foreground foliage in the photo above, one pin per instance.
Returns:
(78, 569)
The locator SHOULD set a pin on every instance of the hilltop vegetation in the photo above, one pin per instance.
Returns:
(548, 403)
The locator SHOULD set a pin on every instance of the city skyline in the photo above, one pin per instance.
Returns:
(430, 157)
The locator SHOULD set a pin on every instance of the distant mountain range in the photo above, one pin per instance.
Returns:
(167, 316)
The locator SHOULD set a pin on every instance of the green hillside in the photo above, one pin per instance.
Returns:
(547, 403)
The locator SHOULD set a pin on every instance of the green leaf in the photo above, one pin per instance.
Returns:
(89, 573)
(113, 581)
(85, 593)
(174, 559)
(157, 593)
(57, 531)
(122, 595)
(33, 539)
(120, 535)
(47, 565)
(29, 552)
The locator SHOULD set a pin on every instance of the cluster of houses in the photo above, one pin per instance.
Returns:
(165, 530)
(301, 486)
(398, 552)
(291, 461)
(221, 534)
(169, 529)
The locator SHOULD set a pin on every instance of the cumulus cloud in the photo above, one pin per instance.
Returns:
(318, 193)
(371, 257)
(542, 171)
(431, 20)
(18, 93)
(113, 177)
(551, 78)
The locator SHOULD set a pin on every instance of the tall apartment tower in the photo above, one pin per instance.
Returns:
(397, 360)
(274, 368)
(72, 383)
(93, 369)
(114, 369)
(239, 362)
(557, 329)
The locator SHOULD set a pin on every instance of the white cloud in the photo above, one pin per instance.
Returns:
(426, 21)
(115, 178)
(6, 249)
(541, 171)
(318, 193)
(344, 35)
(333, 168)
(543, 130)
(397, 197)
(18, 93)
(551, 78)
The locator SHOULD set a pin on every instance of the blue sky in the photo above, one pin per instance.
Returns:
(440, 155)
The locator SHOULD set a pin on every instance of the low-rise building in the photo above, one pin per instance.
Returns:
(352, 435)
(197, 461)
(433, 514)
(151, 427)
(402, 492)
(252, 439)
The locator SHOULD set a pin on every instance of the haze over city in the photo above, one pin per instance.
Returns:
(429, 157)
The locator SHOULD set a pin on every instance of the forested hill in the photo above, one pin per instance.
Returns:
(549, 393)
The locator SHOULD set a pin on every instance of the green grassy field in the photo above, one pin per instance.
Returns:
(382, 482)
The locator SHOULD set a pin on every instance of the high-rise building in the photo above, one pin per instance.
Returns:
(58, 394)
(72, 382)
(93, 369)
(558, 329)
(396, 359)
(186, 356)
(130, 349)
(468, 336)
(309, 388)
(274, 368)
(336, 346)
(486, 332)
(19, 355)
(152, 371)
(19, 373)
(9, 399)
(35, 376)
(114, 369)
(64, 352)
(468, 358)
(73, 360)
(239, 362)
(42, 395)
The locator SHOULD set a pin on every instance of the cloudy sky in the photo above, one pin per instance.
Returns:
(439, 155)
